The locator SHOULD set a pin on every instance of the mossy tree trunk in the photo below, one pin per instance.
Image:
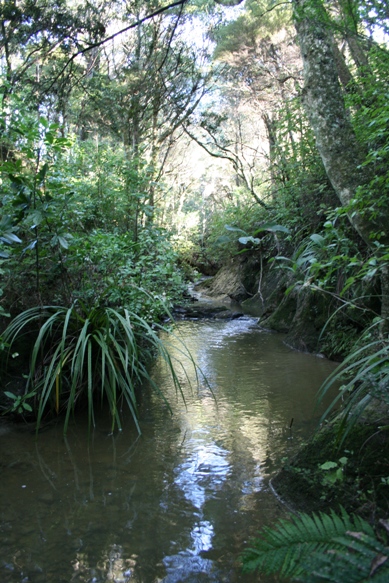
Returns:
(338, 147)
(339, 150)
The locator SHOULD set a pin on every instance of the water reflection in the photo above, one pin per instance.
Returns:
(203, 472)
(178, 503)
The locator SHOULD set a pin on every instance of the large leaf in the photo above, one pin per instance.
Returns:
(9, 237)
(236, 229)
(245, 240)
(272, 228)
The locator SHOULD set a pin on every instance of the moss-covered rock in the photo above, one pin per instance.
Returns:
(282, 317)
(312, 312)
(270, 293)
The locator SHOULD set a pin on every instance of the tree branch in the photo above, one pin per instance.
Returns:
(231, 158)
(114, 35)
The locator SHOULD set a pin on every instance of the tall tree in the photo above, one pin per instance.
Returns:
(343, 156)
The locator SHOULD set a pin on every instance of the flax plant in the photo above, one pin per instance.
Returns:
(83, 354)
(363, 377)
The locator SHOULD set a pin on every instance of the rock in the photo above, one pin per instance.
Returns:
(235, 281)
(208, 310)
(272, 293)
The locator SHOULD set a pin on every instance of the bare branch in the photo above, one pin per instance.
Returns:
(114, 35)
(231, 157)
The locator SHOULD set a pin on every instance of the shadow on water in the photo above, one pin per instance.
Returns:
(179, 503)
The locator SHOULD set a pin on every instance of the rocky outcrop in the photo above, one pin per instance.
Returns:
(298, 312)
(235, 281)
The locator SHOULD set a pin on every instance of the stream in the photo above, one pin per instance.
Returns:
(180, 502)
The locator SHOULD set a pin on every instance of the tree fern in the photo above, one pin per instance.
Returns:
(319, 547)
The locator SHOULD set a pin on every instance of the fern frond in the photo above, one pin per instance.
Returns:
(286, 548)
(359, 558)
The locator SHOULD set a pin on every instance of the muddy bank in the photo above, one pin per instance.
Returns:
(304, 315)
(353, 474)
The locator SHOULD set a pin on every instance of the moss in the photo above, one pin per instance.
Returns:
(357, 477)
(281, 319)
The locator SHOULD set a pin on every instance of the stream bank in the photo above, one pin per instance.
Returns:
(328, 473)
(310, 319)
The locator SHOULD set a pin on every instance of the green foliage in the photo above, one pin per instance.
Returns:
(364, 377)
(216, 245)
(7, 237)
(108, 190)
(19, 403)
(112, 269)
(34, 200)
(253, 240)
(320, 547)
(258, 18)
(333, 471)
(55, 194)
(83, 355)
(329, 260)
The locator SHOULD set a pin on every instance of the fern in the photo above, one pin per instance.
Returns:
(360, 557)
(320, 547)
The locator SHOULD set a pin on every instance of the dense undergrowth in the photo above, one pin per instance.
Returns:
(84, 292)
(95, 248)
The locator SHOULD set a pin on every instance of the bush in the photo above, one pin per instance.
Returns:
(81, 354)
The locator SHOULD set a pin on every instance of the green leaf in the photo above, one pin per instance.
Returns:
(272, 228)
(288, 548)
(229, 228)
(42, 173)
(63, 242)
(10, 395)
(245, 240)
(328, 466)
(10, 238)
(31, 245)
(318, 239)
(35, 218)
(44, 122)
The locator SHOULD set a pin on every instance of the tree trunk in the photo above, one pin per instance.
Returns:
(339, 150)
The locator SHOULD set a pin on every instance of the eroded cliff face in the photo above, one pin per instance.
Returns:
(236, 281)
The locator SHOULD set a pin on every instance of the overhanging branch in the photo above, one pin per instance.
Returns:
(231, 159)
(114, 35)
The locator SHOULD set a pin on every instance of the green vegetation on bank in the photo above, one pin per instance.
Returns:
(124, 156)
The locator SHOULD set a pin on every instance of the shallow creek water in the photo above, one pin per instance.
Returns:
(179, 503)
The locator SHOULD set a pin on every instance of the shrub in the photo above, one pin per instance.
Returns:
(82, 354)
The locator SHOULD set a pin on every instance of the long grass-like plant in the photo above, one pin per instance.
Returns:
(88, 354)
(364, 376)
